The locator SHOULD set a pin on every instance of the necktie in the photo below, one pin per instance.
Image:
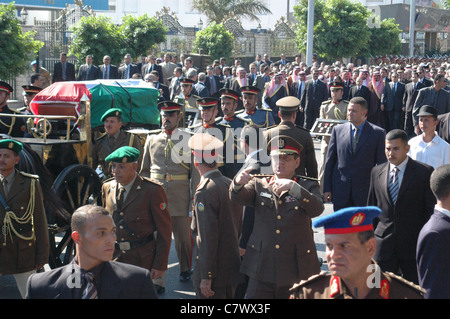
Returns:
(64, 71)
(299, 93)
(5, 186)
(120, 197)
(90, 292)
(393, 185)
(355, 139)
(104, 72)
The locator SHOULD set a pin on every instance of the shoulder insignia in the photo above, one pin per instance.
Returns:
(101, 136)
(313, 278)
(29, 175)
(327, 101)
(157, 131)
(405, 282)
(308, 178)
(154, 181)
(262, 175)
(202, 184)
(243, 119)
(264, 109)
(346, 101)
(302, 128)
(240, 111)
(107, 180)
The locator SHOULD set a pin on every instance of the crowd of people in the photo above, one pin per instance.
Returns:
(239, 188)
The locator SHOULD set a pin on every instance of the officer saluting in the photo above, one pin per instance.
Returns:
(13, 126)
(281, 248)
(350, 245)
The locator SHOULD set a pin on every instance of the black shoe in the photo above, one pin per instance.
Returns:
(160, 289)
(185, 276)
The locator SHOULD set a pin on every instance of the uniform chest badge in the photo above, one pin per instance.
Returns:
(163, 206)
(201, 207)
(266, 195)
(289, 199)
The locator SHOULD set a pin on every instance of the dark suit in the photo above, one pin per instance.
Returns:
(86, 73)
(123, 71)
(297, 91)
(428, 96)
(312, 99)
(165, 90)
(117, 281)
(347, 174)
(113, 72)
(443, 127)
(398, 226)
(147, 68)
(433, 256)
(362, 91)
(411, 92)
(58, 72)
(427, 82)
(202, 90)
(210, 81)
(392, 99)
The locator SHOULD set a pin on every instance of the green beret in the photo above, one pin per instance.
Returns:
(124, 154)
(111, 112)
(12, 145)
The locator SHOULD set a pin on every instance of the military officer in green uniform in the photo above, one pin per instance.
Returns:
(24, 240)
(261, 117)
(334, 108)
(353, 274)
(216, 224)
(167, 159)
(288, 107)
(281, 249)
(113, 138)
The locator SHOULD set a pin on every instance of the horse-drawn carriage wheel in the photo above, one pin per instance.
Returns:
(76, 185)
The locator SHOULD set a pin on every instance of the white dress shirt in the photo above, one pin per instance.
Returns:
(435, 153)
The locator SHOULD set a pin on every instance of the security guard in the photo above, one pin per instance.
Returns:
(229, 102)
(29, 92)
(167, 159)
(334, 108)
(261, 117)
(216, 224)
(139, 208)
(350, 245)
(211, 124)
(113, 138)
(12, 126)
(24, 240)
(288, 107)
(281, 248)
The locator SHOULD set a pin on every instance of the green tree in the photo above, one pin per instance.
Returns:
(220, 11)
(141, 34)
(215, 41)
(340, 28)
(384, 39)
(18, 47)
(97, 36)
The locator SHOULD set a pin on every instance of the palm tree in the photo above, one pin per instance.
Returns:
(220, 11)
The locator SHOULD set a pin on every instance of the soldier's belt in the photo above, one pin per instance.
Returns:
(128, 245)
(169, 177)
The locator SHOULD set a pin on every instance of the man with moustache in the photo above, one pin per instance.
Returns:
(12, 126)
(261, 117)
(107, 70)
(167, 159)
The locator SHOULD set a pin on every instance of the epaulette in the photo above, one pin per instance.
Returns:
(308, 178)
(157, 131)
(310, 279)
(195, 125)
(108, 180)
(269, 127)
(327, 101)
(202, 183)
(225, 125)
(29, 175)
(243, 120)
(101, 136)
(21, 109)
(264, 109)
(346, 101)
(154, 181)
(262, 175)
(406, 282)
(240, 111)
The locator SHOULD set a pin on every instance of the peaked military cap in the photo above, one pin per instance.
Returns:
(229, 93)
(249, 90)
(283, 145)
(336, 85)
(348, 220)
(111, 112)
(169, 106)
(124, 154)
(5, 87)
(204, 145)
(12, 145)
(207, 102)
(186, 81)
(288, 103)
(31, 89)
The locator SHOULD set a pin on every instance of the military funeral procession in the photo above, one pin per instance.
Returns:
(248, 152)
